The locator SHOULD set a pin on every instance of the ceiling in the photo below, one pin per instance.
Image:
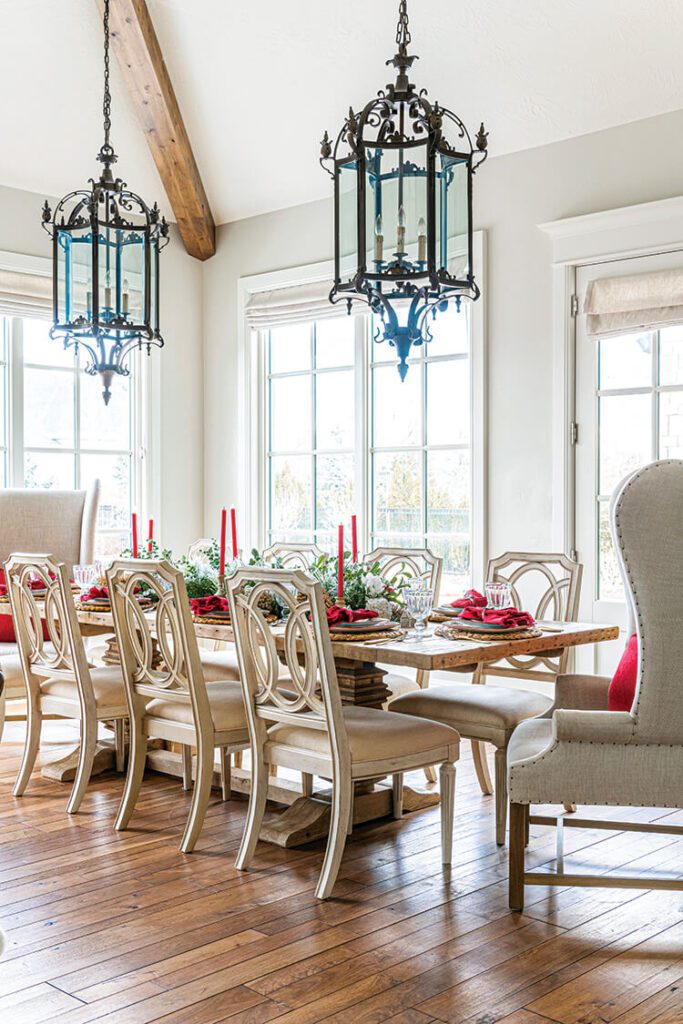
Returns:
(258, 81)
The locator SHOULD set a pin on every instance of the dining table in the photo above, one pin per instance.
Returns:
(361, 676)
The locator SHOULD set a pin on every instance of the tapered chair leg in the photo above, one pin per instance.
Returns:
(120, 742)
(225, 773)
(447, 786)
(34, 722)
(481, 767)
(306, 784)
(86, 756)
(257, 807)
(518, 818)
(341, 808)
(187, 766)
(430, 774)
(200, 796)
(137, 756)
(397, 795)
(501, 794)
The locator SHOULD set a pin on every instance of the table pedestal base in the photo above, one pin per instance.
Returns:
(64, 768)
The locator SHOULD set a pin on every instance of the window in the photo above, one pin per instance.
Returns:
(344, 435)
(640, 418)
(57, 432)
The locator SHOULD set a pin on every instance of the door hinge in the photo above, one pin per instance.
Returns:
(574, 307)
(573, 433)
(574, 555)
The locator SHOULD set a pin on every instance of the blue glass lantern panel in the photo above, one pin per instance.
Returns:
(396, 208)
(121, 268)
(453, 216)
(154, 285)
(74, 275)
(347, 214)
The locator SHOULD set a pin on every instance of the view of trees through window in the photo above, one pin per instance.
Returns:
(61, 434)
(640, 417)
(404, 457)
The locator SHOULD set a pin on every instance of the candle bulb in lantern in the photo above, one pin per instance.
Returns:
(224, 523)
(379, 240)
(107, 291)
(354, 538)
(134, 528)
(401, 230)
(233, 530)
(150, 537)
(340, 567)
(124, 297)
(421, 240)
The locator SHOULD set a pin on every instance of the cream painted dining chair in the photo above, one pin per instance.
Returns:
(585, 754)
(171, 701)
(58, 680)
(294, 555)
(299, 722)
(549, 584)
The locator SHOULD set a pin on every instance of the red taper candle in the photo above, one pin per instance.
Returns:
(340, 564)
(224, 524)
(150, 536)
(354, 538)
(134, 526)
(233, 530)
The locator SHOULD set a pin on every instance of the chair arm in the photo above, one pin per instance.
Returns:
(581, 692)
(592, 726)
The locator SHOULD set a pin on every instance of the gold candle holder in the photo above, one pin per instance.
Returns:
(222, 589)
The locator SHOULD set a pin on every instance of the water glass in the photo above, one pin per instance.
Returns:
(84, 577)
(419, 602)
(499, 595)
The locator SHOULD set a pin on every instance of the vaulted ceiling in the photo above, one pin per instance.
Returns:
(259, 80)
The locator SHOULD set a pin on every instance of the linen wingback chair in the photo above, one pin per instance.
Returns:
(62, 522)
(298, 721)
(585, 754)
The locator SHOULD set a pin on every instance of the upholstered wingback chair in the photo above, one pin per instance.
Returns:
(62, 522)
(584, 754)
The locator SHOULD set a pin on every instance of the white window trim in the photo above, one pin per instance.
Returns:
(252, 412)
(623, 233)
(146, 483)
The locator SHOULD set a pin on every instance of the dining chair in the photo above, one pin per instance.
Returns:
(585, 754)
(294, 555)
(58, 679)
(171, 701)
(299, 721)
(550, 584)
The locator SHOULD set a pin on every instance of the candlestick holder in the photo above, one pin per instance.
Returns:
(340, 602)
(222, 591)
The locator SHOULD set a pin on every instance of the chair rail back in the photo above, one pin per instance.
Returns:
(158, 647)
(308, 695)
(64, 652)
(293, 556)
(420, 563)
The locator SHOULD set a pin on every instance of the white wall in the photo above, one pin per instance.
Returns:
(178, 398)
(631, 164)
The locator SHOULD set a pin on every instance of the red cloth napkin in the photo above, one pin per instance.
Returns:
(508, 617)
(204, 607)
(472, 599)
(335, 614)
(96, 594)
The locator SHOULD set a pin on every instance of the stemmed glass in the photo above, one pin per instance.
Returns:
(419, 601)
(84, 576)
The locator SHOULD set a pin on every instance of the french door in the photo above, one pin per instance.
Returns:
(629, 411)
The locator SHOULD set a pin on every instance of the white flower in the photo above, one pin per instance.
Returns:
(374, 585)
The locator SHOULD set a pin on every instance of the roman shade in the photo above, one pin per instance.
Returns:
(27, 295)
(620, 305)
(297, 304)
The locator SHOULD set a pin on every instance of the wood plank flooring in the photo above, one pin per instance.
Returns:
(123, 929)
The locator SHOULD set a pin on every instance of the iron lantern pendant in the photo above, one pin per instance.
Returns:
(402, 171)
(105, 263)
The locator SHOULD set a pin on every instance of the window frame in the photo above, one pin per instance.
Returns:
(253, 417)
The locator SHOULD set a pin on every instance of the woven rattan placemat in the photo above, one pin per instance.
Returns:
(451, 633)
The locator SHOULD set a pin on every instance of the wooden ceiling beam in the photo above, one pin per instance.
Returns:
(142, 64)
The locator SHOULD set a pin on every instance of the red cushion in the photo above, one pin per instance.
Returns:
(622, 689)
(7, 634)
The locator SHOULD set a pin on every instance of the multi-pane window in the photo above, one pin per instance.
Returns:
(345, 435)
(640, 418)
(61, 435)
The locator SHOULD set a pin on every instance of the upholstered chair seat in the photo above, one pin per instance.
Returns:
(583, 753)
(225, 700)
(489, 714)
(107, 684)
(220, 665)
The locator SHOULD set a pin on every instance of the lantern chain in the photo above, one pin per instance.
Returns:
(403, 37)
(106, 104)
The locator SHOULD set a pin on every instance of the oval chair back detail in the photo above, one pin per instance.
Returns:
(167, 694)
(59, 681)
(587, 755)
(293, 556)
(296, 718)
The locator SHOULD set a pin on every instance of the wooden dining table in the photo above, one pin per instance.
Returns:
(361, 674)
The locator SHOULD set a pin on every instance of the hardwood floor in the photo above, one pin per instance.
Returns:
(122, 928)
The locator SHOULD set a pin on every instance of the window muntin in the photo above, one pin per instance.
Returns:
(60, 433)
(639, 419)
